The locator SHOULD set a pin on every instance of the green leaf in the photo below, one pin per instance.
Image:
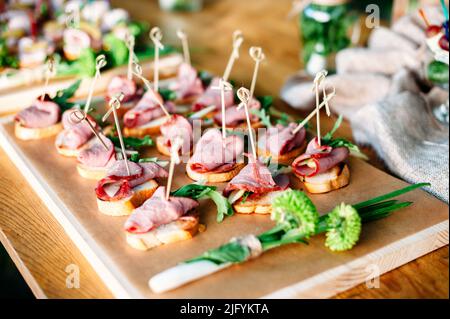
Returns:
(62, 96)
(84, 66)
(344, 228)
(205, 77)
(329, 136)
(196, 191)
(133, 142)
(266, 102)
(294, 210)
(6, 59)
(231, 252)
(135, 158)
(115, 49)
(245, 196)
(167, 94)
(265, 119)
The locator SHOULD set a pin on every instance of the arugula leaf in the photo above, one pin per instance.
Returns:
(133, 142)
(115, 49)
(264, 117)
(84, 66)
(231, 252)
(167, 94)
(196, 191)
(266, 101)
(245, 196)
(7, 59)
(135, 158)
(62, 96)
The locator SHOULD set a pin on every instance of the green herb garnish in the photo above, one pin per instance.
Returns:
(196, 191)
(133, 142)
(167, 94)
(62, 96)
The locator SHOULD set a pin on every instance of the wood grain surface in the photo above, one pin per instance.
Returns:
(42, 250)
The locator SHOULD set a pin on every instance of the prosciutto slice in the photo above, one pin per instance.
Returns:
(213, 154)
(74, 135)
(121, 84)
(234, 117)
(212, 96)
(178, 126)
(157, 211)
(255, 178)
(40, 114)
(96, 155)
(318, 160)
(146, 110)
(118, 184)
(188, 83)
(280, 140)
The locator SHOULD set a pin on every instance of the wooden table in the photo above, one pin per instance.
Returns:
(38, 244)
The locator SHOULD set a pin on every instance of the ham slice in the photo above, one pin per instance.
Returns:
(74, 135)
(213, 154)
(96, 155)
(146, 110)
(118, 184)
(121, 84)
(212, 96)
(39, 115)
(188, 83)
(255, 178)
(234, 117)
(178, 126)
(157, 211)
(318, 160)
(280, 140)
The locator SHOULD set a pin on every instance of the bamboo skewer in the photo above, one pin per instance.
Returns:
(78, 116)
(244, 96)
(49, 73)
(223, 87)
(184, 42)
(317, 82)
(100, 62)
(258, 56)
(130, 42)
(238, 39)
(156, 37)
(114, 104)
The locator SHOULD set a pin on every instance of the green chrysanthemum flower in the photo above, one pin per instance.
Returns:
(344, 228)
(294, 211)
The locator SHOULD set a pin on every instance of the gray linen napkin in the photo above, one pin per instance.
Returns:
(406, 136)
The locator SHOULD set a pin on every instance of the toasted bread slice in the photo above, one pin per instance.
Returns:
(68, 152)
(125, 207)
(287, 158)
(181, 229)
(26, 133)
(162, 148)
(94, 173)
(335, 178)
(151, 128)
(243, 126)
(261, 205)
(214, 177)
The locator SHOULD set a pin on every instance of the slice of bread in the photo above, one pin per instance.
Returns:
(68, 152)
(26, 133)
(287, 158)
(151, 128)
(214, 177)
(125, 207)
(243, 126)
(335, 178)
(162, 148)
(94, 173)
(260, 205)
(181, 229)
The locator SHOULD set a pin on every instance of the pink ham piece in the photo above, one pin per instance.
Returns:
(255, 178)
(40, 114)
(146, 110)
(318, 160)
(280, 140)
(188, 83)
(212, 96)
(121, 84)
(178, 126)
(157, 211)
(96, 155)
(213, 154)
(118, 184)
(234, 117)
(74, 135)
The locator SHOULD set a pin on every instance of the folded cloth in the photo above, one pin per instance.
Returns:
(405, 134)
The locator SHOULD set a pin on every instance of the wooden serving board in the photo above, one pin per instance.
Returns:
(305, 271)
(16, 98)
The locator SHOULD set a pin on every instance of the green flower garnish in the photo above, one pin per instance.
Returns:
(294, 211)
(344, 228)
